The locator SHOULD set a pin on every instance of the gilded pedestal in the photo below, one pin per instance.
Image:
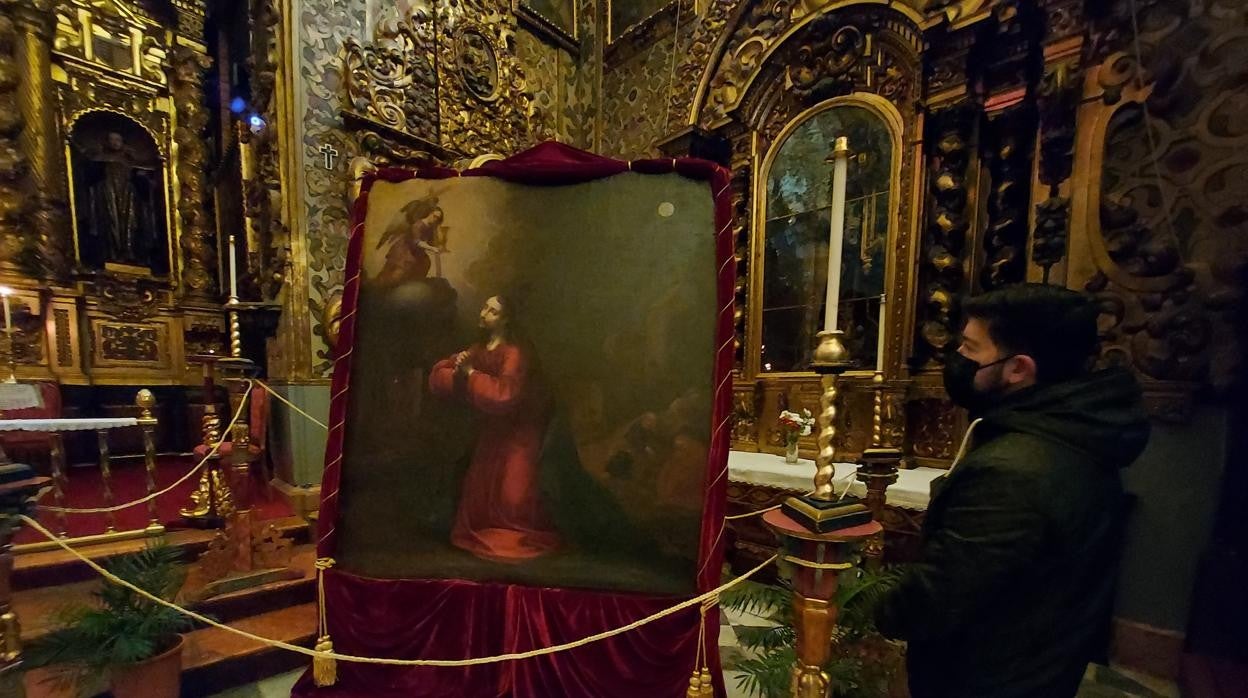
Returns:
(812, 563)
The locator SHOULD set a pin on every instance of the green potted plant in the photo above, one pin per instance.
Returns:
(864, 663)
(137, 642)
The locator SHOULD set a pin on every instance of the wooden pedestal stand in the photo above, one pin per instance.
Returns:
(812, 562)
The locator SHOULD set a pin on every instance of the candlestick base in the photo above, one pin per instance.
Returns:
(831, 356)
(826, 515)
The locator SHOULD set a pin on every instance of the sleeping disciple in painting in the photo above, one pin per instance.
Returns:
(500, 515)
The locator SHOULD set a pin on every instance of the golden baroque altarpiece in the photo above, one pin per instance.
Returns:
(1018, 134)
(106, 235)
(1035, 144)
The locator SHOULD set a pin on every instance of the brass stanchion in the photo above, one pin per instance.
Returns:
(211, 501)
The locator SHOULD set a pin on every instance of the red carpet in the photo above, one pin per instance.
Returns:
(129, 483)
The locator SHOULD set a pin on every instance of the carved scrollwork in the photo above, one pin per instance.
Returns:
(198, 244)
(469, 126)
(12, 161)
(128, 299)
(129, 343)
(828, 55)
(269, 252)
(1166, 156)
(393, 79)
(477, 64)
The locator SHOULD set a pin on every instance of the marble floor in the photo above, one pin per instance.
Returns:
(1100, 682)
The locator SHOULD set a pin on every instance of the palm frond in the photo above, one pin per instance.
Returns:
(754, 598)
(765, 639)
(767, 676)
(864, 663)
(119, 627)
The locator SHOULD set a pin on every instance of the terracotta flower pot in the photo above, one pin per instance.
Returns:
(158, 677)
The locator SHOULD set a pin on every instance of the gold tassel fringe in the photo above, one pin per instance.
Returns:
(708, 687)
(700, 684)
(695, 686)
(324, 669)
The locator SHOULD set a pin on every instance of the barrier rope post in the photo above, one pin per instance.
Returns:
(211, 501)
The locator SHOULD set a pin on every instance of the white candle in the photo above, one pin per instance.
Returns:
(840, 167)
(879, 346)
(8, 317)
(233, 271)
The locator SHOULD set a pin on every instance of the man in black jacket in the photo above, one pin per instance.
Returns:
(1012, 592)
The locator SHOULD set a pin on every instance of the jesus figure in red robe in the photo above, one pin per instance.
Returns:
(500, 515)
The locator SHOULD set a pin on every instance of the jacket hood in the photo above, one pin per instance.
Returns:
(1101, 414)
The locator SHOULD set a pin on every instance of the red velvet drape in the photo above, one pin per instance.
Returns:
(452, 619)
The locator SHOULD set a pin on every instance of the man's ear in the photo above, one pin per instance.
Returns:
(1022, 370)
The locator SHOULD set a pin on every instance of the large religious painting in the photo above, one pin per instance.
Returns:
(529, 432)
(531, 391)
(118, 195)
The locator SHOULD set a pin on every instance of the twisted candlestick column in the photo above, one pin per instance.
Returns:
(825, 462)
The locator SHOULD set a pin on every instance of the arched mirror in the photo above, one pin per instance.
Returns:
(796, 226)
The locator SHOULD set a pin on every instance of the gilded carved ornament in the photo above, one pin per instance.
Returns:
(197, 239)
(1153, 209)
(760, 30)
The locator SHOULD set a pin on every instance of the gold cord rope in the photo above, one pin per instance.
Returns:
(143, 500)
(291, 405)
(695, 601)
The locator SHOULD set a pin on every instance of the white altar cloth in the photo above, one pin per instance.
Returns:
(911, 491)
(19, 396)
(88, 424)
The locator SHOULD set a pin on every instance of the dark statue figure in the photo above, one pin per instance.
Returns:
(119, 198)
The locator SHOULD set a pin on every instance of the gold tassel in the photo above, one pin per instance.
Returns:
(695, 686)
(708, 686)
(324, 669)
(700, 685)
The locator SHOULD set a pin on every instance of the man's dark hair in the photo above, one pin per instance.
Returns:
(1055, 326)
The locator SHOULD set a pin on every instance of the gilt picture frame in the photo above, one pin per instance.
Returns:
(556, 21)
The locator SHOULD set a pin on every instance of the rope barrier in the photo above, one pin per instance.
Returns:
(143, 500)
(695, 601)
(291, 405)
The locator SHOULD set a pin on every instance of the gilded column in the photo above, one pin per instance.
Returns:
(12, 161)
(197, 240)
(47, 239)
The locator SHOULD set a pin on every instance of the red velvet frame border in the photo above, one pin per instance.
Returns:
(353, 601)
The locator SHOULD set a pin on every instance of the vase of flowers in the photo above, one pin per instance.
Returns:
(794, 426)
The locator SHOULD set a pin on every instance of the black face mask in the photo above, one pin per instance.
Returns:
(960, 382)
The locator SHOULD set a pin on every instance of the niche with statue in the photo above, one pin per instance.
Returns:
(118, 191)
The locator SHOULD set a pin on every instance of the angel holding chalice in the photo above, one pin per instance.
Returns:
(417, 240)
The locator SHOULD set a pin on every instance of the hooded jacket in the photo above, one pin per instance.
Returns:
(1013, 589)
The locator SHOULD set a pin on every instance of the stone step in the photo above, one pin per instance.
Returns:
(58, 567)
(215, 660)
(35, 607)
